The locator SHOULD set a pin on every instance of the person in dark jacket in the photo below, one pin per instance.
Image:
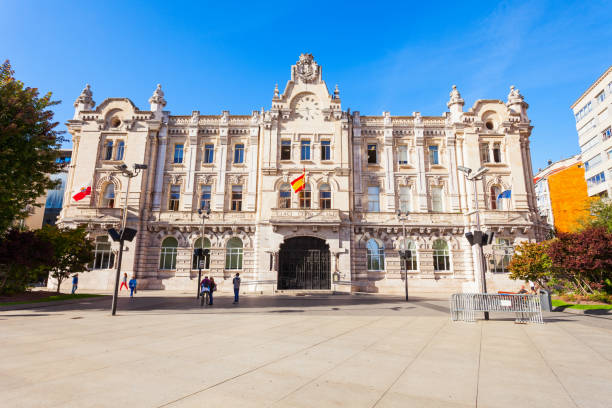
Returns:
(75, 283)
(213, 286)
(132, 286)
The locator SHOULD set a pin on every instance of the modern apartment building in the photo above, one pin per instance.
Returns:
(593, 113)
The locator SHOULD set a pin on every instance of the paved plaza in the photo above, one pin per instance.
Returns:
(163, 350)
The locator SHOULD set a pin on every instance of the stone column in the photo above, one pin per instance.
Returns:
(388, 165)
(252, 163)
(190, 162)
(162, 138)
(357, 159)
(221, 165)
(451, 150)
(419, 141)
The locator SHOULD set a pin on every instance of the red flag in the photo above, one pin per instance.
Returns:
(83, 192)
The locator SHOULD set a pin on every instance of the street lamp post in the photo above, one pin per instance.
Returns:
(204, 213)
(405, 254)
(479, 270)
(130, 174)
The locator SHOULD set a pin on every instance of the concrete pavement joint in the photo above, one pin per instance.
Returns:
(479, 361)
(535, 346)
(378, 340)
(267, 364)
(409, 364)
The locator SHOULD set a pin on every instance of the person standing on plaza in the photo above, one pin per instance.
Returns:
(236, 283)
(132, 286)
(75, 283)
(213, 286)
(124, 282)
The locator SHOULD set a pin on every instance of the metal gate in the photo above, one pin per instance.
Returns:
(304, 264)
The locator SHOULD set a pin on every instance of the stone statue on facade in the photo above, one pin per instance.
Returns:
(306, 68)
(158, 96)
(85, 98)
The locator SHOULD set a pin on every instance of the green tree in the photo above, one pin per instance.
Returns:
(531, 262)
(22, 253)
(600, 215)
(28, 147)
(72, 251)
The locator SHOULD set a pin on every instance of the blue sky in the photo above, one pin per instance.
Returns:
(398, 57)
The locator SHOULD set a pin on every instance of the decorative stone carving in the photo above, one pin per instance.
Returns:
(307, 68)
(206, 178)
(418, 120)
(455, 96)
(225, 118)
(515, 95)
(195, 117)
(276, 93)
(176, 179)
(158, 96)
(85, 98)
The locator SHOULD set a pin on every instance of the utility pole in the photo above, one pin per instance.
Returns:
(475, 238)
(125, 234)
(405, 253)
(204, 213)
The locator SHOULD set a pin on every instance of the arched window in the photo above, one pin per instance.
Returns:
(376, 255)
(324, 196)
(305, 196)
(167, 257)
(233, 254)
(108, 196)
(104, 258)
(198, 244)
(284, 199)
(408, 245)
(496, 204)
(441, 255)
(120, 150)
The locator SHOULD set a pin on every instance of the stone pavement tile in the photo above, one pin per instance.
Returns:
(397, 400)
(446, 366)
(513, 372)
(216, 400)
(598, 339)
(584, 373)
(322, 394)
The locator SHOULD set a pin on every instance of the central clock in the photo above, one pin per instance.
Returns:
(307, 107)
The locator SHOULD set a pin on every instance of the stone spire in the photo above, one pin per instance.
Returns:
(157, 101)
(455, 104)
(336, 92)
(276, 93)
(516, 103)
(84, 102)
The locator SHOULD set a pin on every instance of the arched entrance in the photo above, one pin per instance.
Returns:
(303, 263)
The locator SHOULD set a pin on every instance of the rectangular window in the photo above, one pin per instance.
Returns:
(402, 154)
(605, 135)
(109, 151)
(175, 197)
(484, 153)
(178, 153)
(305, 151)
(305, 197)
(285, 150)
(436, 199)
(592, 163)
(433, 155)
(405, 199)
(236, 198)
(610, 154)
(239, 153)
(601, 97)
(325, 201)
(285, 197)
(205, 197)
(373, 199)
(502, 254)
(372, 157)
(325, 150)
(209, 153)
(497, 153)
(120, 150)
(596, 179)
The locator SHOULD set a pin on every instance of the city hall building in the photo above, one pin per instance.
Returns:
(342, 231)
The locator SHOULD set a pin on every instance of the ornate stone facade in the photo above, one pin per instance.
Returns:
(359, 171)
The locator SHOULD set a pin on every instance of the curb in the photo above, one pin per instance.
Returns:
(604, 312)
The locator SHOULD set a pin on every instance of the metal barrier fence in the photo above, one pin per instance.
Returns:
(526, 307)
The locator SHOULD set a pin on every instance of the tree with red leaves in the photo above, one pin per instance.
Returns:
(585, 257)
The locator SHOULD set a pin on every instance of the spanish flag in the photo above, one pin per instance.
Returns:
(83, 192)
(299, 183)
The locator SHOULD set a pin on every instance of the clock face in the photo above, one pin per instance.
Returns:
(307, 107)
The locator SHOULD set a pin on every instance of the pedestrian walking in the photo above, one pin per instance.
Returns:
(213, 286)
(236, 283)
(124, 282)
(75, 283)
(132, 285)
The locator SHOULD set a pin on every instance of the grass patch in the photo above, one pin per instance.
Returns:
(53, 298)
(561, 303)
